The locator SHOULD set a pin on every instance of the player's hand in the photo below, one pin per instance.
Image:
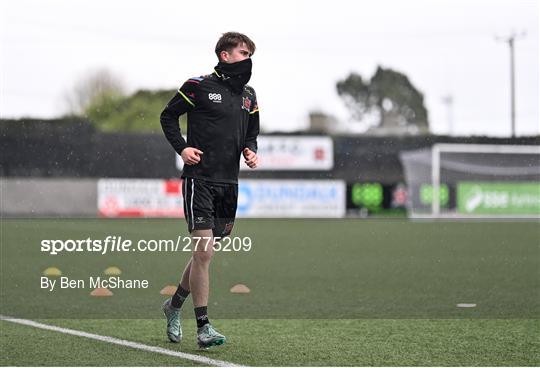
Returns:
(191, 155)
(251, 158)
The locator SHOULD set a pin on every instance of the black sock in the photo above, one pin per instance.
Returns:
(201, 315)
(179, 297)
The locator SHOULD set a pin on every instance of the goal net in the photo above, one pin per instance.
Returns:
(473, 180)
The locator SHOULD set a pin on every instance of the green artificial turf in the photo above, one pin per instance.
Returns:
(287, 343)
(323, 292)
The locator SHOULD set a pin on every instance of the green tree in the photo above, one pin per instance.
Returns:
(389, 96)
(138, 112)
(100, 97)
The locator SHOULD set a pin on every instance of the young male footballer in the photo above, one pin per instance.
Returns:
(222, 125)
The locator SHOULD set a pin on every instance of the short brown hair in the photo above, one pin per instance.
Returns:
(230, 40)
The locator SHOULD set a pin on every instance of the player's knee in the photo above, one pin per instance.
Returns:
(203, 256)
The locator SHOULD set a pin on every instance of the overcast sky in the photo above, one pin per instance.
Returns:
(303, 48)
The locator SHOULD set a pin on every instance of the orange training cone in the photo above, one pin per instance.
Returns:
(168, 290)
(101, 292)
(240, 289)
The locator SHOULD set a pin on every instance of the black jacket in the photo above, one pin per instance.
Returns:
(220, 123)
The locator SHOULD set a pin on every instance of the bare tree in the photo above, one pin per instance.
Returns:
(95, 84)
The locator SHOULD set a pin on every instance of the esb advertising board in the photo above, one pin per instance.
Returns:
(505, 198)
(291, 198)
(256, 198)
(140, 198)
(314, 153)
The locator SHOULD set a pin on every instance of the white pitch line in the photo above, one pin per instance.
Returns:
(112, 340)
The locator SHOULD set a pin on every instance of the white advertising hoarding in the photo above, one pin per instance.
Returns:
(291, 198)
(256, 198)
(140, 198)
(294, 153)
(290, 153)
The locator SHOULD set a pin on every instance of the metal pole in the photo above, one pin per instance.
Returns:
(448, 100)
(510, 40)
(512, 87)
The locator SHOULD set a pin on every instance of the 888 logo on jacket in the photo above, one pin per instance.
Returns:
(215, 97)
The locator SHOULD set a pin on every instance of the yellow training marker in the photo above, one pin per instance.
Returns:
(112, 271)
(168, 290)
(240, 289)
(52, 271)
(101, 292)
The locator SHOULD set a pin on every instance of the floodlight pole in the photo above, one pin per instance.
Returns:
(448, 100)
(512, 87)
(510, 40)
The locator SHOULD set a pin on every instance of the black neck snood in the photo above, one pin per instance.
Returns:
(236, 75)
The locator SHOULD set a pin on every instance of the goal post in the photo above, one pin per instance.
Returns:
(473, 180)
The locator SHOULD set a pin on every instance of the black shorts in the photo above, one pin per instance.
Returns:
(209, 205)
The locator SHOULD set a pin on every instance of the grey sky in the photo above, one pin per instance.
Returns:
(303, 48)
